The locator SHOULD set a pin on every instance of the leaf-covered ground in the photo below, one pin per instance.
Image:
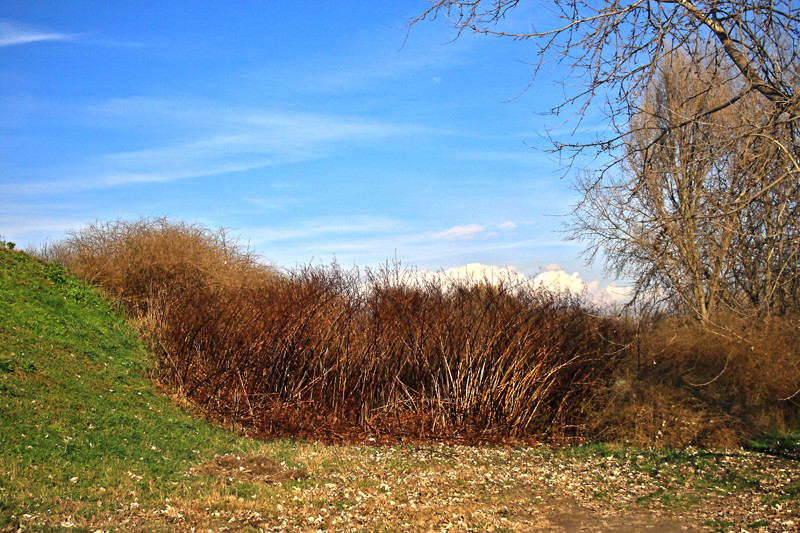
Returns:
(445, 488)
(497, 489)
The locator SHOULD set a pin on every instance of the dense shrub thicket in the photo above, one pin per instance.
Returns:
(334, 354)
(324, 352)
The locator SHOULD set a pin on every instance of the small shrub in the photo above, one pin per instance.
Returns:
(56, 273)
(134, 261)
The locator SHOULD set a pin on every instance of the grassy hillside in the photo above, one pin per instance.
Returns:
(82, 430)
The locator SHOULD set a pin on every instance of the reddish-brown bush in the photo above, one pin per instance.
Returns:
(328, 353)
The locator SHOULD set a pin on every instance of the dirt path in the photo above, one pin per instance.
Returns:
(569, 515)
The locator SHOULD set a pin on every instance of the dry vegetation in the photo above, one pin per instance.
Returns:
(89, 444)
(335, 355)
(330, 354)
(712, 385)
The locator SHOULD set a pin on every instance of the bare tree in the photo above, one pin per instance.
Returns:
(654, 219)
(701, 211)
(613, 46)
(766, 267)
(697, 195)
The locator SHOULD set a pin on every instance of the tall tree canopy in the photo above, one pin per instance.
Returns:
(697, 194)
(701, 213)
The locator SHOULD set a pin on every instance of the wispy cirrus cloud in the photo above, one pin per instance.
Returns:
(194, 139)
(323, 227)
(372, 56)
(470, 231)
(14, 33)
(467, 232)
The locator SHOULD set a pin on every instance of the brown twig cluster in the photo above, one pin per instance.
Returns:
(328, 353)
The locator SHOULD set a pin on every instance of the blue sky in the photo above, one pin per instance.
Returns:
(312, 130)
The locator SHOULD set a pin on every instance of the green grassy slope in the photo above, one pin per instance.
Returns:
(83, 433)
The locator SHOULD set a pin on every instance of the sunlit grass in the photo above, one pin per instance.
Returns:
(82, 429)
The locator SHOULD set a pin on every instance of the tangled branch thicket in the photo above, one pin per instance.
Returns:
(328, 353)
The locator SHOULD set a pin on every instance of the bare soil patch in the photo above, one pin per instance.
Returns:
(249, 468)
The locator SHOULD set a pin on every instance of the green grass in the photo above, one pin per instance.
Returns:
(782, 442)
(82, 429)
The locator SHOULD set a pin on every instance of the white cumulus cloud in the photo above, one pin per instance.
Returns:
(491, 273)
(559, 280)
(614, 294)
(553, 278)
